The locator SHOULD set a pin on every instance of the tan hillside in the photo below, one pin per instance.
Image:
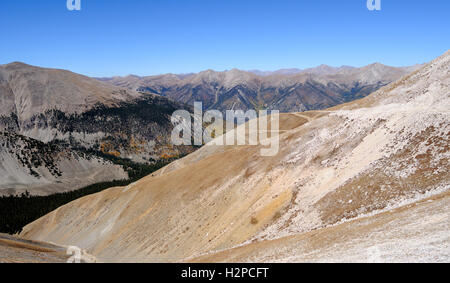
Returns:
(16, 250)
(416, 232)
(359, 159)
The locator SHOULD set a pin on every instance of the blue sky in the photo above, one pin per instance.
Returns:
(147, 37)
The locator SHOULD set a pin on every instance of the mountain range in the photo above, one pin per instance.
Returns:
(288, 90)
(362, 181)
(56, 127)
(73, 121)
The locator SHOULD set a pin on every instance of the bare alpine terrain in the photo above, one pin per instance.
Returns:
(363, 181)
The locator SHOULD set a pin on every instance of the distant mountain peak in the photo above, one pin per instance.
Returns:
(16, 64)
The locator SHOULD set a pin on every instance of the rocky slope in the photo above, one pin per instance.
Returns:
(289, 90)
(415, 232)
(369, 157)
(41, 168)
(83, 115)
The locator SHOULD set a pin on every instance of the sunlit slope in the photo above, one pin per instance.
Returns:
(332, 166)
(416, 232)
